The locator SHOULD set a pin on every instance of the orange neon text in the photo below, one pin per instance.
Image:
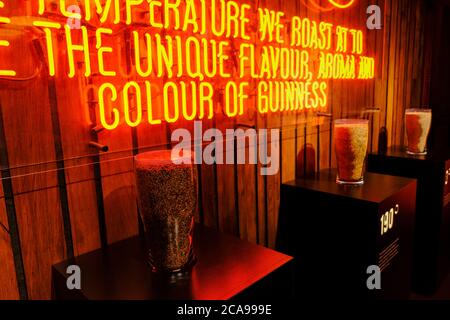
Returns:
(224, 18)
(283, 96)
(189, 58)
(180, 100)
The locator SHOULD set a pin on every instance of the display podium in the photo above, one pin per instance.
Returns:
(336, 232)
(226, 268)
(432, 225)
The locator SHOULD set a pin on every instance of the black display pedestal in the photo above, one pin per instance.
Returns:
(226, 268)
(336, 232)
(432, 225)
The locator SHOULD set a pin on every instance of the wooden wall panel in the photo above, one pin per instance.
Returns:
(84, 216)
(3, 215)
(8, 281)
(391, 60)
(75, 132)
(119, 199)
(262, 185)
(237, 199)
(42, 238)
(208, 186)
(397, 77)
(227, 204)
(273, 184)
(8, 277)
(246, 176)
(116, 166)
(272, 121)
(382, 63)
(261, 190)
(29, 130)
(423, 51)
(288, 119)
(311, 148)
(325, 145)
(288, 153)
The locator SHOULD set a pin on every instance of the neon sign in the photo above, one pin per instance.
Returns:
(343, 5)
(5, 43)
(333, 4)
(183, 53)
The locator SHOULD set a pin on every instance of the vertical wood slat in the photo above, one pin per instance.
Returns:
(80, 182)
(61, 176)
(338, 94)
(310, 149)
(409, 61)
(227, 199)
(374, 48)
(381, 88)
(119, 192)
(273, 181)
(398, 83)
(326, 146)
(394, 40)
(418, 75)
(261, 185)
(97, 192)
(262, 181)
(3, 214)
(226, 180)
(289, 120)
(425, 43)
(12, 275)
(246, 175)
(8, 282)
(41, 232)
(384, 62)
(29, 137)
(208, 175)
(261, 192)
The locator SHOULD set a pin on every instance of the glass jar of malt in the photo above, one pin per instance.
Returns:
(167, 200)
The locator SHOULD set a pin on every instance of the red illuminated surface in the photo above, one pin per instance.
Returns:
(226, 266)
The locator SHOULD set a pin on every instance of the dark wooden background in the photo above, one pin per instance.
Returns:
(60, 197)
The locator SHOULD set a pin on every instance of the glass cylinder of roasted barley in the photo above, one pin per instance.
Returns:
(351, 138)
(167, 198)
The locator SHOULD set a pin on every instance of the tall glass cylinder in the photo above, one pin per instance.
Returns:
(167, 197)
(351, 138)
(418, 124)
